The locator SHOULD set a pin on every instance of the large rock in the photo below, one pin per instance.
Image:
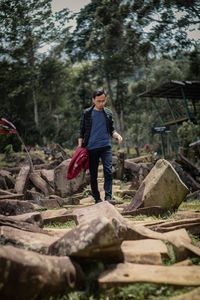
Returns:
(162, 187)
(28, 275)
(99, 238)
(65, 187)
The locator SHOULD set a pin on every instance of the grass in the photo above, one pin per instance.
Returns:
(137, 291)
(4, 163)
(190, 205)
(67, 224)
(163, 216)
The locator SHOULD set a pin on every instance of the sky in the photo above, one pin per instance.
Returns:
(76, 5)
(73, 5)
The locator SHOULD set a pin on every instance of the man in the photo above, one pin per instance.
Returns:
(96, 130)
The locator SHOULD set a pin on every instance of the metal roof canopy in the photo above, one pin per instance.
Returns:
(175, 89)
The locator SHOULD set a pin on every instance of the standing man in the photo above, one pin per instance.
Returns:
(96, 131)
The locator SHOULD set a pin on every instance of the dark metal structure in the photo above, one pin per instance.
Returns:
(184, 90)
(188, 92)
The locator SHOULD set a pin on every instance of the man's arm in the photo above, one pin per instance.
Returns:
(81, 130)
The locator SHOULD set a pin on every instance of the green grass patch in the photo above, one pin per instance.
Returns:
(67, 224)
(163, 216)
(190, 205)
(195, 238)
(4, 163)
(171, 258)
(137, 291)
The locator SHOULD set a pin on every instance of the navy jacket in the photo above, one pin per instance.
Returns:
(86, 123)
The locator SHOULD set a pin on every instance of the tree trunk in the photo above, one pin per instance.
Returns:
(36, 116)
(116, 116)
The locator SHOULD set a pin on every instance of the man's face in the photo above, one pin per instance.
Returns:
(99, 102)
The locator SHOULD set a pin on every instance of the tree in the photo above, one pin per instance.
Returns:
(105, 35)
(169, 22)
(26, 26)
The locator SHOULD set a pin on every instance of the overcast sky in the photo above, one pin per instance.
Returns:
(73, 5)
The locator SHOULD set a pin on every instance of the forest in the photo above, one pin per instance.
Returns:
(128, 47)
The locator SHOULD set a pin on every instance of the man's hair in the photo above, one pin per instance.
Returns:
(99, 92)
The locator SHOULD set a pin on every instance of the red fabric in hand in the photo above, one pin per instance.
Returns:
(79, 161)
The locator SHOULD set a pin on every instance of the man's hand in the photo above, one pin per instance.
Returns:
(118, 137)
(80, 142)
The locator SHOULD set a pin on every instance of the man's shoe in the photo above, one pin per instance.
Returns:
(98, 201)
(111, 201)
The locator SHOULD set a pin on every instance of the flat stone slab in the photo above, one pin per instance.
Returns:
(38, 242)
(187, 214)
(50, 203)
(58, 215)
(15, 207)
(32, 217)
(104, 209)
(129, 273)
(147, 251)
(59, 232)
(11, 222)
(191, 224)
(13, 197)
(179, 238)
(148, 211)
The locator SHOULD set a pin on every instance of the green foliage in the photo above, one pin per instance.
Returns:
(25, 27)
(8, 150)
(188, 133)
(195, 238)
(171, 258)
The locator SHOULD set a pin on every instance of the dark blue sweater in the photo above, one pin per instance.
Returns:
(99, 136)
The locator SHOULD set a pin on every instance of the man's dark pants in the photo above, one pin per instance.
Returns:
(105, 154)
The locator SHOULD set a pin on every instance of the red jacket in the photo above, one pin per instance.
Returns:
(79, 161)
